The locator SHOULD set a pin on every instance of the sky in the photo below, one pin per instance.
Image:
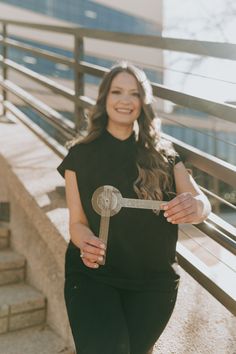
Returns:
(209, 20)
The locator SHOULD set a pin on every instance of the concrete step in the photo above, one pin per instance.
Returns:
(12, 267)
(4, 235)
(37, 340)
(21, 306)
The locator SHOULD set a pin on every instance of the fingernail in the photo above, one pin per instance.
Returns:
(103, 246)
(165, 214)
(169, 219)
(96, 265)
(100, 259)
(165, 207)
(102, 253)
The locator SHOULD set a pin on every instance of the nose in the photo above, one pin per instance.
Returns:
(125, 99)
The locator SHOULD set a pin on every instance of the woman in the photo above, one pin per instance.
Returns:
(122, 307)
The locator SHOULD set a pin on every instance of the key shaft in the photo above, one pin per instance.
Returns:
(142, 203)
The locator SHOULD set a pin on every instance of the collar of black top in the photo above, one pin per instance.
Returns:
(112, 138)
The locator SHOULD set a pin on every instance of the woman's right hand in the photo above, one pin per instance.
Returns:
(92, 250)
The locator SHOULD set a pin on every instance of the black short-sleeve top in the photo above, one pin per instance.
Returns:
(141, 249)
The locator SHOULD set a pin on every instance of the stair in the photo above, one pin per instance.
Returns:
(4, 236)
(22, 308)
(12, 267)
(34, 340)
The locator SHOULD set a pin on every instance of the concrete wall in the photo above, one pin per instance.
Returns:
(39, 219)
(28, 180)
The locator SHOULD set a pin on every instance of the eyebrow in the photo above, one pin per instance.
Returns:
(121, 88)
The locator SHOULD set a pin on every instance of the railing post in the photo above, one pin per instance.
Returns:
(79, 116)
(216, 189)
(4, 69)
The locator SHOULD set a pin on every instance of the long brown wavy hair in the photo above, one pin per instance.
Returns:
(153, 153)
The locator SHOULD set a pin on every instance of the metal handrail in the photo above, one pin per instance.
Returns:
(46, 54)
(46, 82)
(205, 48)
(201, 274)
(217, 109)
(60, 150)
(204, 161)
(68, 29)
(218, 235)
(215, 196)
(65, 126)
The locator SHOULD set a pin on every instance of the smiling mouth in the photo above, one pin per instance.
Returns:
(124, 110)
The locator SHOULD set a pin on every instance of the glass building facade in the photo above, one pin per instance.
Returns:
(90, 14)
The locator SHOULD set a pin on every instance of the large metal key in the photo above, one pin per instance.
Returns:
(107, 201)
(104, 203)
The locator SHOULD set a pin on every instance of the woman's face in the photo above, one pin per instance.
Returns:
(123, 104)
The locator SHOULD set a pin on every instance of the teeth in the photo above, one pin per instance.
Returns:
(123, 110)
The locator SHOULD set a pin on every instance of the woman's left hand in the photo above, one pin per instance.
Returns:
(184, 208)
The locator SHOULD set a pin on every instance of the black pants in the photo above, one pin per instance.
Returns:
(107, 320)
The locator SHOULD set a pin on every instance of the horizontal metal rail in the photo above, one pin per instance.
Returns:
(205, 162)
(204, 48)
(60, 150)
(43, 80)
(61, 123)
(222, 225)
(86, 102)
(68, 29)
(221, 200)
(201, 274)
(218, 109)
(46, 54)
(217, 235)
(92, 69)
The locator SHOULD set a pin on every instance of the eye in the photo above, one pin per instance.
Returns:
(135, 94)
(115, 92)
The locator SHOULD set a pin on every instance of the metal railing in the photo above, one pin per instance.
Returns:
(214, 227)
